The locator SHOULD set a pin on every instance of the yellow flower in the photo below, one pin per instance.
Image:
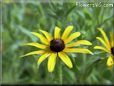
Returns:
(57, 46)
(108, 46)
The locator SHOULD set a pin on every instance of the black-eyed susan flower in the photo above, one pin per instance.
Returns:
(57, 46)
(108, 46)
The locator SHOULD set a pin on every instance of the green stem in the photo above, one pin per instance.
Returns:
(60, 73)
(112, 71)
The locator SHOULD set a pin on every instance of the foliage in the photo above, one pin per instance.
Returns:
(21, 18)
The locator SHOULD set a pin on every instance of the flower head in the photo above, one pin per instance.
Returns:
(58, 46)
(108, 46)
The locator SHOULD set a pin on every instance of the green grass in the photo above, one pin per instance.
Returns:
(19, 19)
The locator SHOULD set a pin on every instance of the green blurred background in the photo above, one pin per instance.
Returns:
(20, 18)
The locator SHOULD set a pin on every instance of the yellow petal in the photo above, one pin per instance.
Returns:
(101, 48)
(110, 61)
(104, 36)
(111, 39)
(33, 53)
(57, 33)
(42, 58)
(52, 62)
(65, 59)
(80, 42)
(41, 37)
(77, 50)
(103, 42)
(41, 46)
(67, 32)
(72, 36)
(47, 35)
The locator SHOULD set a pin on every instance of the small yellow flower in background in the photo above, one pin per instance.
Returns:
(108, 46)
(57, 46)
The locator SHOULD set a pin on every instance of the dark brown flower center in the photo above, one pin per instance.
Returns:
(57, 45)
(112, 51)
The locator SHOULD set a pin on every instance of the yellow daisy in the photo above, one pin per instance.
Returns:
(108, 46)
(57, 46)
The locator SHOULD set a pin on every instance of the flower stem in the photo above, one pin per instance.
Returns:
(112, 72)
(60, 73)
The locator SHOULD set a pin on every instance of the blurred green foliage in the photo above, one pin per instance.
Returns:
(21, 18)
